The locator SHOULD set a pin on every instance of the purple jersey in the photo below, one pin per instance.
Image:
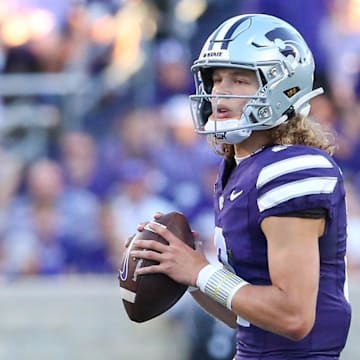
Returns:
(280, 180)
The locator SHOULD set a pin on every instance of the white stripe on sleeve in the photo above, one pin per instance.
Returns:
(309, 186)
(290, 165)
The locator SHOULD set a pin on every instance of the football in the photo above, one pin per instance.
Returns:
(146, 297)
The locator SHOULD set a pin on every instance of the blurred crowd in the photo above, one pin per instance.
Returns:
(95, 128)
(96, 133)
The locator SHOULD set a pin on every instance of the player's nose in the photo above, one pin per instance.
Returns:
(222, 88)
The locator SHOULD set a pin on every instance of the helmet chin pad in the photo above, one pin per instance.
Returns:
(226, 132)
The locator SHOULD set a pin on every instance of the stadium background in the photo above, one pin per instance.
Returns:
(95, 135)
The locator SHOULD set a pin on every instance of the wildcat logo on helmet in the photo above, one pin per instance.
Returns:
(287, 42)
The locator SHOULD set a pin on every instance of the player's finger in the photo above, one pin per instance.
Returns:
(150, 245)
(148, 270)
(146, 255)
(163, 231)
(141, 226)
(158, 215)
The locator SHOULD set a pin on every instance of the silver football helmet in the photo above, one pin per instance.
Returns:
(283, 64)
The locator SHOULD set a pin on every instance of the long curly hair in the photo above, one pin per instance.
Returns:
(299, 130)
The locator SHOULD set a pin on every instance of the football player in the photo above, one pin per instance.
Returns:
(279, 198)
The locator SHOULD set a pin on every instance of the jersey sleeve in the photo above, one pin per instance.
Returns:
(297, 183)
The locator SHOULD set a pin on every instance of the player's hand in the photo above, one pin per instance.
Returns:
(177, 260)
(141, 227)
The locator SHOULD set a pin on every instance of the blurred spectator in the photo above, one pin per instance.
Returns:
(172, 75)
(325, 113)
(135, 199)
(348, 139)
(136, 134)
(340, 41)
(184, 159)
(20, 59)
(81, 164)
(31, 241)
(353, 228)
(10, 180)
(52, 228)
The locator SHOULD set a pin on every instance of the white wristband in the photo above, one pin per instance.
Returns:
(219, 283)
(205, 273)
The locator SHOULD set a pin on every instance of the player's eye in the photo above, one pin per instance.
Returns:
(241, 81)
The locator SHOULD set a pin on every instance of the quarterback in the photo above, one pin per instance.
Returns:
(279, 199)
